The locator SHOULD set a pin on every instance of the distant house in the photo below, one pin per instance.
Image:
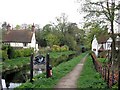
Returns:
(103, 43)
(20, 38)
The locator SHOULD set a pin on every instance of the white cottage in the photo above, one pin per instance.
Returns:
(20, 38)
(103, 43)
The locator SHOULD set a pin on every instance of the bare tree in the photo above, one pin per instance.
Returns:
(105, 11)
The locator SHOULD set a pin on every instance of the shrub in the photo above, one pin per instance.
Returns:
(18, 53)
(4, 47)
(27, 52)
(56, 48)
(3, 54)
(60, 59)
(64, 48)
(23, 52)
(10, 52)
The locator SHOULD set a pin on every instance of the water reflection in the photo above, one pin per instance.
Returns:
(17, 78)
(11, 85)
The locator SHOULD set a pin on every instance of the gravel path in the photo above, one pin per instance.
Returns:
(69, 81)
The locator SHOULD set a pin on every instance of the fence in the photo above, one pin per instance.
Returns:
(109, 75)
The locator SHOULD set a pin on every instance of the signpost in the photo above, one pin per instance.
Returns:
(31, 68)
(47, 65)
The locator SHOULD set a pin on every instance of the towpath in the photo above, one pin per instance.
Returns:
(70, 80)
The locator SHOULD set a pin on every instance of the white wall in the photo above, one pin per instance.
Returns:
(108, 44)
(33, 41)
(12, 44)
(95, 46)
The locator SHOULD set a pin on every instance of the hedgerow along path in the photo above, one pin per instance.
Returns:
(70, 80)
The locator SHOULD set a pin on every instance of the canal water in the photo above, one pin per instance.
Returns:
(15, 79)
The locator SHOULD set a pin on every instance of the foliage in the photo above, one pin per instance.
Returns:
(103, 61)
(18, 53)
(3, 54)
(64, 48)
(90, 78)
(61, 57)
(40, 81)
(4, 47)
(103, 54)
(95, 29)
(52, 39)
(61, 33)
(11, 64)
(55, 48)
(10, 52)
(70, 42)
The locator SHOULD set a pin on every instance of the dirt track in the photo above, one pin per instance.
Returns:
(69, 81)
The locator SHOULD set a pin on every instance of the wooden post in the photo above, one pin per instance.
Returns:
(119, 78)
(31, 68)
(47, 65)
(108, 77)
(105, 73)
(112, 77)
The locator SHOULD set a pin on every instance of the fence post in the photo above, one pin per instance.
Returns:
(47, 65)
(112, 77)
(105, 73)
(31, 68)
(108, 77)
(119, 78)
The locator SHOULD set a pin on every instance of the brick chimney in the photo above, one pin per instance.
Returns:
(33, 28)
(8, 27)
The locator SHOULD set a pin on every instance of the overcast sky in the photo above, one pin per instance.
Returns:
(38, 11)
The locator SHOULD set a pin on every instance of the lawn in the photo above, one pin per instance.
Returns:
(59, 71)
(90, 78)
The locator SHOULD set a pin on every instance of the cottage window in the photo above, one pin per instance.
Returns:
(25, 44)
(109, 45)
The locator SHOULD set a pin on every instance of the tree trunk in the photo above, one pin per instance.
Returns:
(113, 48)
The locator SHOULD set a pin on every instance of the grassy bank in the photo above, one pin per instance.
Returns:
(15, 63)
(18, 63)
(58, 54)
(89, 77)
(59, 71)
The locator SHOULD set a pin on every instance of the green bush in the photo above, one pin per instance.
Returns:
(23, 52)
(60, 59)
(64, 48)
(10, 52)
(18, 53)
(55, 48)
(3, 54)
(4, 47)
(27, 52)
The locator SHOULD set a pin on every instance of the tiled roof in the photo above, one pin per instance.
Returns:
(20, 36)
(103, 39)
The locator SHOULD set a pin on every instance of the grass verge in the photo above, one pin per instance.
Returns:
(59, 71)
(90, 78)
